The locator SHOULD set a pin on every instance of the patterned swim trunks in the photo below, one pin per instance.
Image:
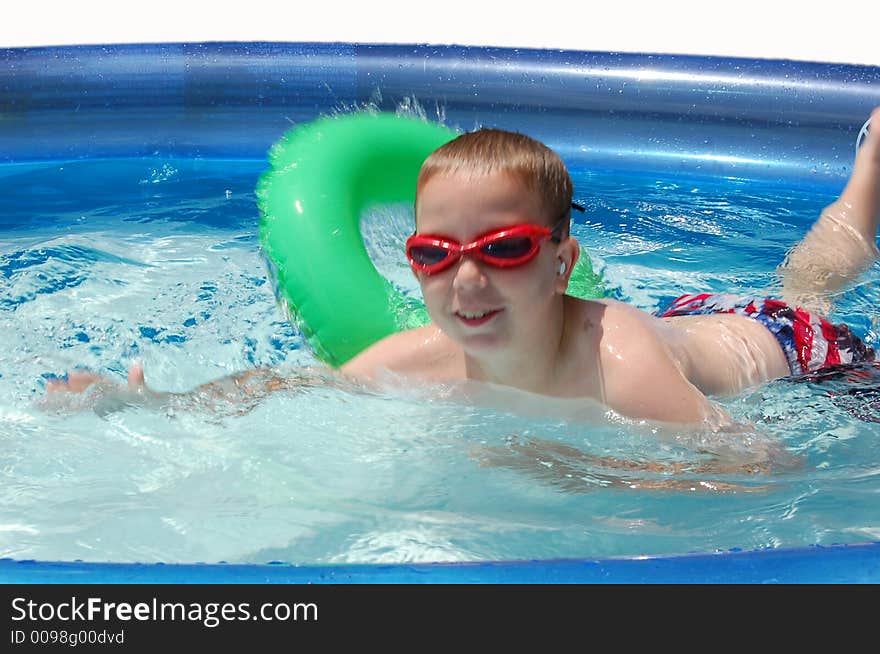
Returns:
(809, 342)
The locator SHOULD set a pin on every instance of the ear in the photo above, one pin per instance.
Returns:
(568, 251)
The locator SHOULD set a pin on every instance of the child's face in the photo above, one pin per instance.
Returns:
(479, 306)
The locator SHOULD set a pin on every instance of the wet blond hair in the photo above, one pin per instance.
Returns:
(487, 151)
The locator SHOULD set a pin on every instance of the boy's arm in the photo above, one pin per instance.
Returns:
(641, 380)
(841, 244)
(572, 470)
(240, 392)
(658, 391)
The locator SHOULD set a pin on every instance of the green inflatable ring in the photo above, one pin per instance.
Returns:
(323, 175)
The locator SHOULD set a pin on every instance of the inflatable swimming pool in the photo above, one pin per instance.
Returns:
(757, 120)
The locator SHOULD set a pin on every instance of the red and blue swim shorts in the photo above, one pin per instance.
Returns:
(810, 343)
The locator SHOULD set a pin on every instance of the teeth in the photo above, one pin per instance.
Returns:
(472, 316)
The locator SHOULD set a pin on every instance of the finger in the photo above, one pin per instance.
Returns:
(136, 377)
(56, 385)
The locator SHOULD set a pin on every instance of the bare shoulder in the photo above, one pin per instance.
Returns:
(640, 376)
(630, 337)
(423, 352)
(621, 314)
(609, 320)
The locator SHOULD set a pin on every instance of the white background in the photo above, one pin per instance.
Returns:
(845, 31)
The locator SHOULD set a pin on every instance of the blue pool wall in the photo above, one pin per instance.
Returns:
(738, 117)
(782, 121)
(839, 564)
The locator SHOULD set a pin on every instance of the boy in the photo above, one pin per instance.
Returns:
(514, 325)
(493, 256)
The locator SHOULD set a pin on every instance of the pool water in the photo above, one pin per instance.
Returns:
(104, 262)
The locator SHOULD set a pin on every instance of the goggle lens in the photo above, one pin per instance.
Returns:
(512, 247)
(427, 255)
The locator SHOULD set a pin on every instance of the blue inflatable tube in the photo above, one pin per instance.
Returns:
(233, 100)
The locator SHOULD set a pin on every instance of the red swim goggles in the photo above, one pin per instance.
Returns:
(507, 247)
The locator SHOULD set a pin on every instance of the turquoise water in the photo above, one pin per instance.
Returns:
(106, 262)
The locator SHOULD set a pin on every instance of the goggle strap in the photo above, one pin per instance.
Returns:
(565, 216)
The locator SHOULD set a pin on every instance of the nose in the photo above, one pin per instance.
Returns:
(468, 274)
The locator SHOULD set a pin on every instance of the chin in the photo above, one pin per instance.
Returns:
(481, 343)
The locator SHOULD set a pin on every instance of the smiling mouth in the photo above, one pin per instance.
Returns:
(475, 318)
